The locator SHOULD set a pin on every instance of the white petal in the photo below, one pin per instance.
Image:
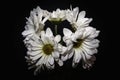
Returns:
(70, 47)
(35, 37)
(30, 22)
(74, 38)
(40, 13)
(35, 48)
(93, 41)
(95, 51)
(87, 46)
(47, 64)
(67, 32)
(33, 53)
(50, 40)
(60, 47)
(41, 60)
(73, 64)
(64, 50)
(75, 13)
(28, 37)
(55, 54)
(87, 56)
(52, 66)
(27, 32)
(39, 41)
(77, 56)
(90, 45)
(81, 15)
(88, 21)
(86, 50)
(51, 60)
(67, 40)
(45, 19)
(88, 31)
(64, 58)
(69, 16)
(34, 44)
(37, 69)
(79, 32)
(95, 34)
(45, 40)
(83, 56)
(42, 34)
(58, 38)
(35, 19)
(60, 63)
(45, 59)
(49, 32)
(36, 57)
(71, 54)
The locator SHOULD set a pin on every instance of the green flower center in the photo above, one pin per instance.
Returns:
(48, 49)
(78, 43)
(56, 21)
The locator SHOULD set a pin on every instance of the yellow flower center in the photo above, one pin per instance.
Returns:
(78, 43)
(48, 49)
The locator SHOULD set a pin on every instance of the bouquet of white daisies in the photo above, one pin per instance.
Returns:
(45, 48)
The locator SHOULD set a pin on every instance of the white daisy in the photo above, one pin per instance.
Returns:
(44, 51)
(58, 15)
(35, 23)
(76, 19)
(81, 44)
(71, 15)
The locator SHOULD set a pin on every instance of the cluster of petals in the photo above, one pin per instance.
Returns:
(45, 49)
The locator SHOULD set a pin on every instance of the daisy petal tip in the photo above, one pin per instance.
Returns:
(58, 38)
(60, 63)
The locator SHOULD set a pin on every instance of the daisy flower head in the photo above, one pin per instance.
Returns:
(45, 51)
(81, 45)
(76, 19)
(35, 23)
(57, 16)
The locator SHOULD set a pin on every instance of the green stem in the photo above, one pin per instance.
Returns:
(56, 30)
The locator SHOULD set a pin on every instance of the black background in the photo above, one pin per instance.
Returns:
(103, 17)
